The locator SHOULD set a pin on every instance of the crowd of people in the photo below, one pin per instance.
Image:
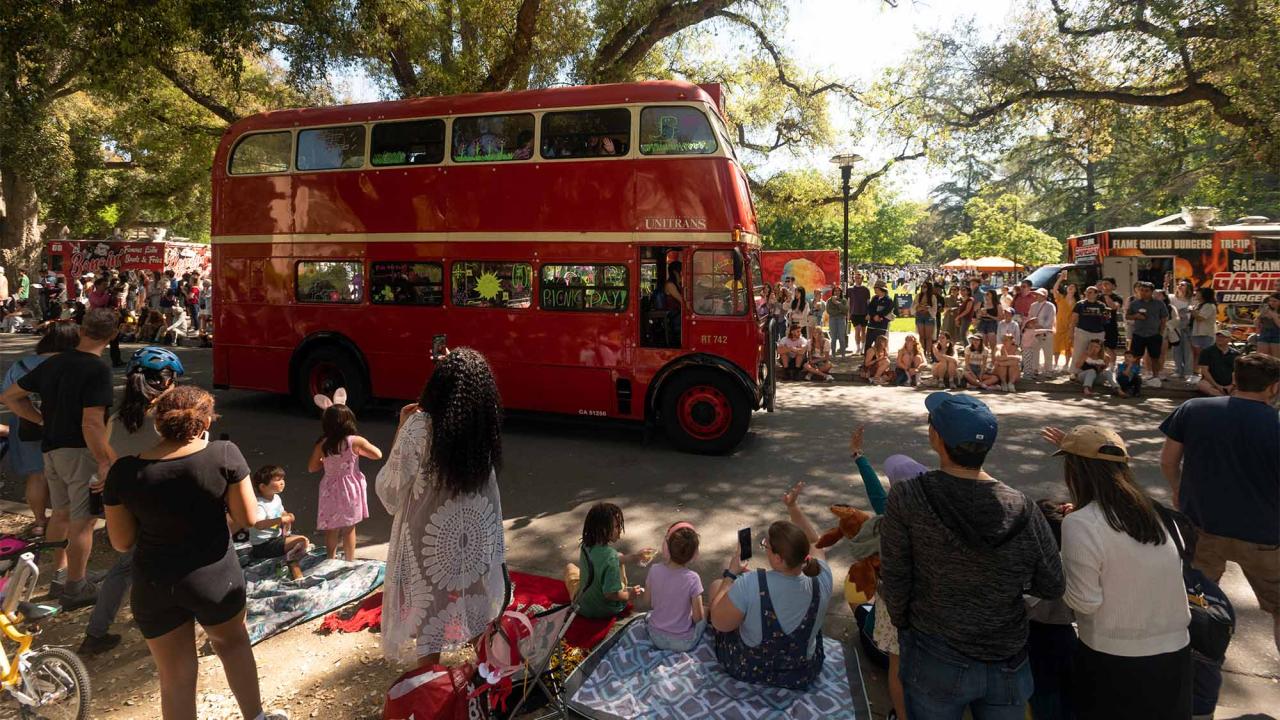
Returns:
(1076, 606)
(153, 307)
(988, 332)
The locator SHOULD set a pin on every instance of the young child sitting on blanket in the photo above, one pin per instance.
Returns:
(607, 592)
(678, 616)
(270, 536)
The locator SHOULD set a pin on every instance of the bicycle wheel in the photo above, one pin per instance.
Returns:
(58, 679)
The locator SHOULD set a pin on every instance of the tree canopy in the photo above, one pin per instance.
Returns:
(1076, 116)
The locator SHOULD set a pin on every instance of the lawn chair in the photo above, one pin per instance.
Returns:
(548, 634)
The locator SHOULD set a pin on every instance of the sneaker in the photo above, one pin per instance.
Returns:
(94, 645)
(275, 715)
(87, 596)
(1153, 382)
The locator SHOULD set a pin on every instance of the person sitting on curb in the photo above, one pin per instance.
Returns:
(1216, 365)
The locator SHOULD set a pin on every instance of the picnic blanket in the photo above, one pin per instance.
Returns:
(277, 603)
(528, 590)
(627, 677)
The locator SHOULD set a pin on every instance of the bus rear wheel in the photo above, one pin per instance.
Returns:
(705, 412)
(324, 370)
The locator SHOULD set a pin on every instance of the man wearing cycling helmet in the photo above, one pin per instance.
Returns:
(131, 429)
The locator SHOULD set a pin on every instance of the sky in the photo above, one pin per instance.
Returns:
(852, 40)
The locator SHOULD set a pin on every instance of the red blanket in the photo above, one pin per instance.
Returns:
(585, 633)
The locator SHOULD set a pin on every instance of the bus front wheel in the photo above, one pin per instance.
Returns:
(705, 412)
(324, 370)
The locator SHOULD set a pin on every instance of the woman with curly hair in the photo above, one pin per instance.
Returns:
(444, 579)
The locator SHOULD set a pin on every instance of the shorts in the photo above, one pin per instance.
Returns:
(1201, 342)
(210, 595)
(1270, 337)
(272, 548)
(1111, 338)
(1260, 564)
(859, 320)
(925, 319)
(69, 471)
(988, 326)
(976, 370)
(1150, 344)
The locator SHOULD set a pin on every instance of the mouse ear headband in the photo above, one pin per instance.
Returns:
(666, 547)
(324, 403)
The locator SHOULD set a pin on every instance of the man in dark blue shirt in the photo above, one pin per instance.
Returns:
(879, 313)
(1221, 457)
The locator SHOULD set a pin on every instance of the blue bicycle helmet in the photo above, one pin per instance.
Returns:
(155, 358)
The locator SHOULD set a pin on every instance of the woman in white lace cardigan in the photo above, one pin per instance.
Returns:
(444, 579)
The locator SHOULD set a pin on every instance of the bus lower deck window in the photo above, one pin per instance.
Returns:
(329, 281)
(489, 284)
(406, 283)
(583, 288)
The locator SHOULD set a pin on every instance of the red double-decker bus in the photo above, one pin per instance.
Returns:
(598, 244)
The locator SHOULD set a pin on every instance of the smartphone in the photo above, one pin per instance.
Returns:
(437, 345)
(744, 543)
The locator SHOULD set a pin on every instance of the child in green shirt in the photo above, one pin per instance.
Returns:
(606, 593)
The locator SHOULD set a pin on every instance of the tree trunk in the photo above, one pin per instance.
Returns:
(1090, 197)
(20, 238)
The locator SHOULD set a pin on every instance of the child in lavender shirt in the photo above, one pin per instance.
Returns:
(678, 616)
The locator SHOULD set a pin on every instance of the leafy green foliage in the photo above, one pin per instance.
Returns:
(998, 231)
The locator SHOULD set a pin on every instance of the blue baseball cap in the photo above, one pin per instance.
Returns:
(961, 419)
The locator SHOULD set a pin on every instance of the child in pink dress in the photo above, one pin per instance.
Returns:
(343, 502)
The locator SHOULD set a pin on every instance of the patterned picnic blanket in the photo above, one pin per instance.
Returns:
(277, 603)
(628, 678)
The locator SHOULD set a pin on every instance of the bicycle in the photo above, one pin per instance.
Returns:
(51, 683)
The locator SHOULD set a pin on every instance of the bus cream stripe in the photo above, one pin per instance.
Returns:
(674, 238)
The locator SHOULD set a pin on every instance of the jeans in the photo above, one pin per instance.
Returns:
(940, 683)
(1183, 356)
(111, 594)
(1130, 384)
(664, 641)
(1088, 377)
(839, 334)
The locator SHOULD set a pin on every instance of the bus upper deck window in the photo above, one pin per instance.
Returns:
(331, 148)
(675, 130)
(493, 138)
(420, 142)
(262, 153)
(586, 133)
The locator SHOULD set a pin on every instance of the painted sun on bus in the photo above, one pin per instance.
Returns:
(598, 244)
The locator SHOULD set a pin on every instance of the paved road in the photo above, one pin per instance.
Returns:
(554, 471)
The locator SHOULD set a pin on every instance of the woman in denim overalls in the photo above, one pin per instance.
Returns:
(793, 593)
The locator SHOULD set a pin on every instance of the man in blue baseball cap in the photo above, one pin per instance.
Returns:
(958, 548)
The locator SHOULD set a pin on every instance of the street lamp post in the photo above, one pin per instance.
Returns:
(845, 163)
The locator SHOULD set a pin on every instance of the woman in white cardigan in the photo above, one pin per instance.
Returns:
(1124, 581)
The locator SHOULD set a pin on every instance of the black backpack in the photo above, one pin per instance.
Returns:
(1213, 620)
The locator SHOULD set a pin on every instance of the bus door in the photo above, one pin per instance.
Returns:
(663, 305)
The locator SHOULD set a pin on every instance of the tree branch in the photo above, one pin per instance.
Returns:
(1190, 94)
(866, 180)
(670, 19)
(779, 63)
(188, 88)
(501, 75)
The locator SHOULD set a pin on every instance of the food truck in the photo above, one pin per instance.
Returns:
(74, 258)
(1240, 261)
